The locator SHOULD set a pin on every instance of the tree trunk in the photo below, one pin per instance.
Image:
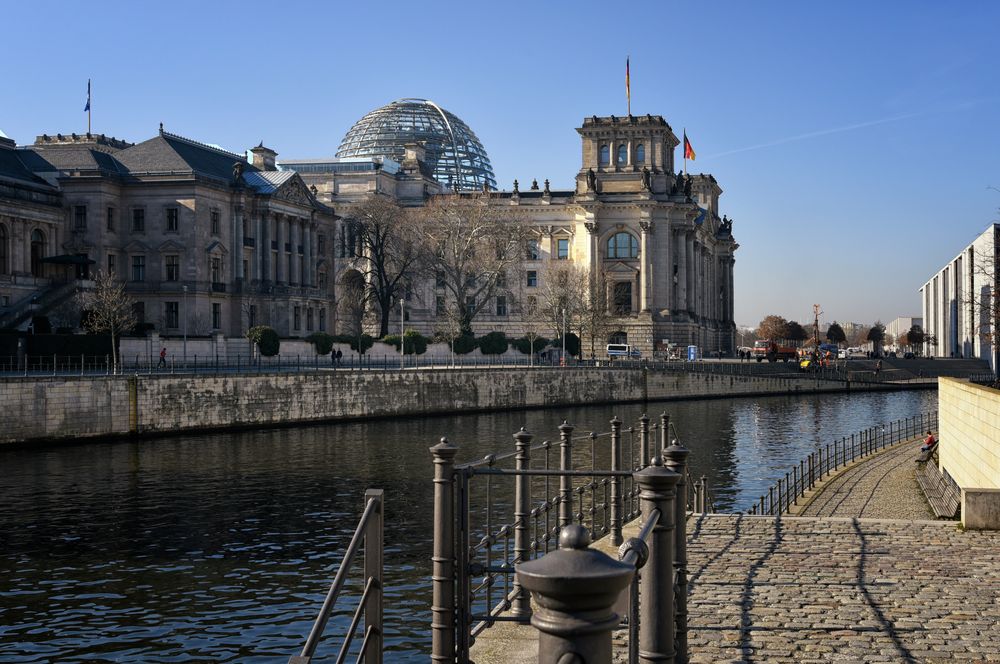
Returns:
(384, 314)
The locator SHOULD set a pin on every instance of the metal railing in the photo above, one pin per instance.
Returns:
(504, 509)
(369, 531)
(834, 456)
(988, 379)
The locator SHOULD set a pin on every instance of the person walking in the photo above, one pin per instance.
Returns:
(878, 368)
(340, 357)
(163, 359)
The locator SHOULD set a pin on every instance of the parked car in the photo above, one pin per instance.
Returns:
(908, 355)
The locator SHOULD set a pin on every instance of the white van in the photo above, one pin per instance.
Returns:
(622, 350)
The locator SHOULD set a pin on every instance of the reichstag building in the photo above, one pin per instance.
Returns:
(222, 240)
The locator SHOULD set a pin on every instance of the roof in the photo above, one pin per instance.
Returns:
(167, 153)
(12, 167)
(267, 182)
(68, 158)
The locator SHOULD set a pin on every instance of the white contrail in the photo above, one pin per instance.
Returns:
(814, 134)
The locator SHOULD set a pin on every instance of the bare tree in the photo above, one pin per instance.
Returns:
(596, 317)
(774, 328)
(563, 296)
(474, 245)
(109, 309)
(389, 252)
(353, 302)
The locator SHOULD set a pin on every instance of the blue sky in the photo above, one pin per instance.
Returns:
(856, 141)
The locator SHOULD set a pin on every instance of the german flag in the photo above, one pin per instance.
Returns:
(688, 150)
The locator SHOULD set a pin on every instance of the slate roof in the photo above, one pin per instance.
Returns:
(267, 182)
(171, 153)
(12, 167)
(69, 158)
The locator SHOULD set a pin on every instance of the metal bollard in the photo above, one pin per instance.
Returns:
(565, 481)
(443, 557)
(616, 482)
(643, 440)
(675, 458)
(574, 589)
(521, 605)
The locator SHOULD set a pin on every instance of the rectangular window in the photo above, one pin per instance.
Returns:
(172, 315)
(111, 264)
(439, 279)
(470, 305)
(111, 219)
(252, 315)
(531, 252)
(532, 278)
(138, 268)
(501, 305)
(139, 308)
(562, 249)
(173, 265)
(532, 305)
(216, 270)
(215, 216)
(172, 215)
(216, 316)
(322, 320)
(79, 217)
(246, 269)
(322, 281)
(296, 318)
(439, 305)
(138, 220)
(309, 319)
(321, 244)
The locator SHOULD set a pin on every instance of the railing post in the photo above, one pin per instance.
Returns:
(675, 458)
(374, 545)
(521, 605)
(664, 433)
(443, 560)
(643, 440)
(565, 481)
(575, 626)
(616, 482)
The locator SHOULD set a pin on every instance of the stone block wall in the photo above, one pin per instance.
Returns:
(970, 433)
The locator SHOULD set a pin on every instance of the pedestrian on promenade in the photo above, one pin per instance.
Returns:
(340, 357)
(929, 443)
(878, 368)
(163, 359)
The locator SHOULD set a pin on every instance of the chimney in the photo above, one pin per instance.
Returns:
(264, 158)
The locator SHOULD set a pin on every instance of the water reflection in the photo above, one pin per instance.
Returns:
(222, 546)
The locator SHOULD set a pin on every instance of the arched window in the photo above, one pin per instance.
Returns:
(623, 245)
(3, 249)
(37, 252)
(622, 155)
(640, 154)
(605, 157)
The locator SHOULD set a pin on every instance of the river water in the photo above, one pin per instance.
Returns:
(222, 546)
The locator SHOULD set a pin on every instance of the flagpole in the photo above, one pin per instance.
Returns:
(685, 151)
(89, 111)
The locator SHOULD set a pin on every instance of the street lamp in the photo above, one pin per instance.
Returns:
(402, 340)
(185, 350)
(563, 358)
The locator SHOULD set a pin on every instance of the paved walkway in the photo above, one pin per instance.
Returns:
(880, 487)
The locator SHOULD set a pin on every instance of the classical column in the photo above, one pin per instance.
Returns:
(307, 261)
(295, 238)
(680, 247)
(645, 265)
(732, 289)
(261, 245)
(238, 242)
(281, 264)
(689, 257)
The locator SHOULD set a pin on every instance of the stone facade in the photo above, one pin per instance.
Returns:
(969, 418)
(206, 240)
(666, 256)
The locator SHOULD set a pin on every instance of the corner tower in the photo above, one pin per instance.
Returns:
(621, 151)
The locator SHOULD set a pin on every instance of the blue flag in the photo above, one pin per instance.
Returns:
(87, 107)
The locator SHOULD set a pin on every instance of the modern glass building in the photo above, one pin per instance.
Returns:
(455, 155)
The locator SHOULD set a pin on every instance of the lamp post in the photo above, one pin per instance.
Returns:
(402, 341)
(185, 350)
(563, 362)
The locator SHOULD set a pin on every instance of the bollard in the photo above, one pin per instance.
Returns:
(521, 605)
(443, 560)
(675, 458)
(616, 482)
(643, 441)
(574, 589)
(565, 481)
(664, 433)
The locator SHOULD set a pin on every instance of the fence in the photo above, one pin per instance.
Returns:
(508, 508)
(827, 460)
(369, 530)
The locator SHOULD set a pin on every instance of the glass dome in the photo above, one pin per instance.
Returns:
(453, 152)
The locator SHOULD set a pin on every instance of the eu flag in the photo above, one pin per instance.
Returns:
(87, 107)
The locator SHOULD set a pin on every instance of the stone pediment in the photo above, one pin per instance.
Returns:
(618, 267)
(294, 191)
(216, 248)
(171, 246)
(136, 247)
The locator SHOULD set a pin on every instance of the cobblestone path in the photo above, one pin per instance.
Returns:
(882, 487)
(850, 590)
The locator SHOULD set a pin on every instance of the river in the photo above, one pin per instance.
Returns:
(221, 546)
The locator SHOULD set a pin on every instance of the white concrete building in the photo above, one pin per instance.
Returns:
(959, 303)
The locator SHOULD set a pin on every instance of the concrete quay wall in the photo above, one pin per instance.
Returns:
(37, 409)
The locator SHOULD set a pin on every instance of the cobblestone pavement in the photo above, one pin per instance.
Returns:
(850, 590)
(882, 487)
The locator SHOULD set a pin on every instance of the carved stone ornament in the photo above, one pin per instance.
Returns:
(293, 192)
(646, 226)
(591, 226)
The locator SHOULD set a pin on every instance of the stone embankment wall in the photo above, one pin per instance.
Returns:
(82, 407)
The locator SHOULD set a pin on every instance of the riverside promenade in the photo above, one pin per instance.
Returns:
(835, 585)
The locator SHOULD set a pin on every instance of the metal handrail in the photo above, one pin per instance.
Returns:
(369, 531)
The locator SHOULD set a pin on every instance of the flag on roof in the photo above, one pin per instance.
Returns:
(688, 150)
(87, 107)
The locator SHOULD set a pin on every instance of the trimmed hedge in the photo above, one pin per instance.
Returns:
(267, 340)
(465, 344)
(525, 346)
(572, 344)
(494, 343)
(322, 341)
(367, 341)
(416, 343)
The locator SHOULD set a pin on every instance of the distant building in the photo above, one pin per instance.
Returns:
(960, 302)
(900, 326)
